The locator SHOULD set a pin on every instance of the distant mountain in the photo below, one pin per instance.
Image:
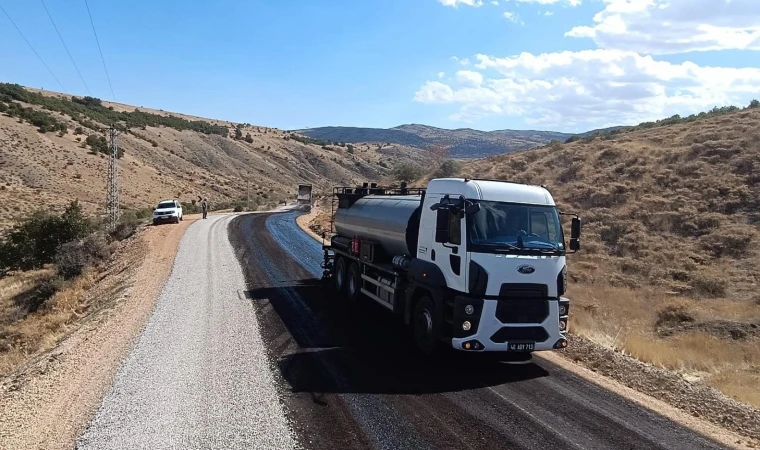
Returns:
(462, 142)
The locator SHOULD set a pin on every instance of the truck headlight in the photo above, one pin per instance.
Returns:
(469, 309)
(562, 325)
(562, 309)
(466, 325)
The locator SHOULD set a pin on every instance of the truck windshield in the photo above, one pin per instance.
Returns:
(511, 227)
(164, 205)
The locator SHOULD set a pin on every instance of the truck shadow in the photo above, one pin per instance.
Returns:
(365, 349)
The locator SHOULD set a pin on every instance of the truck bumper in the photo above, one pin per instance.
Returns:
(164, 219)
(492, 335)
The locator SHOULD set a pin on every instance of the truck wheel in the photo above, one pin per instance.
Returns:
(425, 326)
(339, 276)
(353, 283)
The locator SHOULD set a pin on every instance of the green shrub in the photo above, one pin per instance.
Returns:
(448, 168)
(73, 257)
(35, 240)
(407, 172)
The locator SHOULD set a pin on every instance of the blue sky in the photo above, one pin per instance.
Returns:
(308, 63)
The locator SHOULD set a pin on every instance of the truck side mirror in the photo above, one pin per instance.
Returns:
(472, 209)
(575, 234)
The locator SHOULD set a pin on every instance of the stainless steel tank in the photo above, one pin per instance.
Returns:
(391, 220)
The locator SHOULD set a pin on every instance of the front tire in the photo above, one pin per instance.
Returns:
(425, 327)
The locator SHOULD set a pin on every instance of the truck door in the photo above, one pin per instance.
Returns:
(446, 243)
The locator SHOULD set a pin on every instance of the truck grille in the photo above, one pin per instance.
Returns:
(530, 310)
(506, 334)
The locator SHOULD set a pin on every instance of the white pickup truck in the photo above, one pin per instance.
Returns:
(167, 211)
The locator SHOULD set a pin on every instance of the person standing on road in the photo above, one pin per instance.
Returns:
(204, 206)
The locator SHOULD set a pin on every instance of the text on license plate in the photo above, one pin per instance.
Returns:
(522, 346)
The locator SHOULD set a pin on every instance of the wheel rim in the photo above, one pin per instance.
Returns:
(424, 326)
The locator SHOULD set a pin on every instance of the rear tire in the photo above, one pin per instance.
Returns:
(353, 283)
(339, 276)
(425, 327)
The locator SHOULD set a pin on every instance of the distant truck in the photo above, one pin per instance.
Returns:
(477, 265)
(304, 197)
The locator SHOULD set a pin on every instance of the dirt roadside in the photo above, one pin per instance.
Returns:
(693, 405)
(50, 400)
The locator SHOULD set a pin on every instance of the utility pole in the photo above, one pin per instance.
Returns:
(248, 194)
(112, 196)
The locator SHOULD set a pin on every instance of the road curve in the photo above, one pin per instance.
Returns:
(197, 376)
(353, 381)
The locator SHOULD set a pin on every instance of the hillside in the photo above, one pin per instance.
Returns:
(669, 265)
(51, 152)
(461, 143)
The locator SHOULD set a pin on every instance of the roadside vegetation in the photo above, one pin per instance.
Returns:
(668, 267)
(85, 110)
(48, 262)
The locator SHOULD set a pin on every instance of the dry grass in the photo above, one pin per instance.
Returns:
(668, 270)
(697, 338)
(38, 330)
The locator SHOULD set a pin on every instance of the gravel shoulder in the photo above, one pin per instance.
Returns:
(50, 400)
(198, 375)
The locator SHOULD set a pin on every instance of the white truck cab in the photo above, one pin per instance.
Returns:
(501, 246)
(167, 211)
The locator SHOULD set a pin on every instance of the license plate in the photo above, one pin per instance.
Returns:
(522, 346)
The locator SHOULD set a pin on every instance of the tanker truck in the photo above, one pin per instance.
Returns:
(473, 265)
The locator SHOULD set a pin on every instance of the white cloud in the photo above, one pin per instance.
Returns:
(456, 3)
(465, 61)
(551, 2)
(441, 74)
(495, 3)
(513, 17)
(548, 13)
(469, 77)
(590, 88)
(674, 26)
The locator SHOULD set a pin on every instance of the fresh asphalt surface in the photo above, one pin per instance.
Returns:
(223, 343)
(352, 380)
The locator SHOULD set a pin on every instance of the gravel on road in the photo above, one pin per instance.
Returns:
(198, 376)
(50, 400)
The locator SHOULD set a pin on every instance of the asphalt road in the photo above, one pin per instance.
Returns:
(245, 349)
(352, 380)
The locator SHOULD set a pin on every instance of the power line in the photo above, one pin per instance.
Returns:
(32, 47)
(64, 46)
(100, 50)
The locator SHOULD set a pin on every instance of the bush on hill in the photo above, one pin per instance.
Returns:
(87, 109)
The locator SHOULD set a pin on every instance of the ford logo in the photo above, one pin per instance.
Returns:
(527, 270)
